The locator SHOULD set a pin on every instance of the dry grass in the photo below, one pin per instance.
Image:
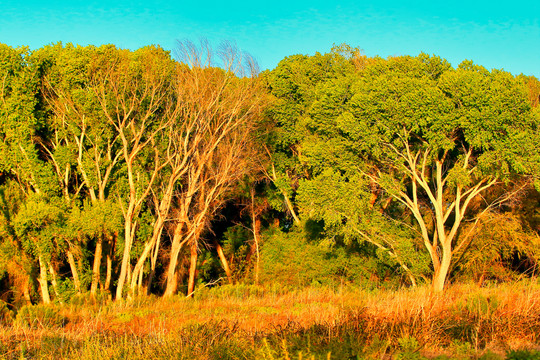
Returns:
(251, 322)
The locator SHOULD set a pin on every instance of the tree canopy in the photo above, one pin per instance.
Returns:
(130, 172)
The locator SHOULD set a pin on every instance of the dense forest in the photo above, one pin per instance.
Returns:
(138, 172)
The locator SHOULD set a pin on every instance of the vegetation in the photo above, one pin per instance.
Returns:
(133, 175)
(238, 322)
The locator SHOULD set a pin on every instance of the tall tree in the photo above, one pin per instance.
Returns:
(224, 109)
(431, 137)
(131, 88)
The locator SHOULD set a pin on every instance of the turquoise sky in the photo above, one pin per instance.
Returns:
(496, 36)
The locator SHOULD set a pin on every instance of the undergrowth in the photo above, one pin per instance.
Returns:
(248, 322)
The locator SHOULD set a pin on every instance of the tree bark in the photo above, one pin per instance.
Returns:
(256, 223)
(177, 244)
(224, 262)
(44, 288)
(55, 283)
(129, 230)
(192, 269)
(97, 265)
(110, 255)
(74, 271)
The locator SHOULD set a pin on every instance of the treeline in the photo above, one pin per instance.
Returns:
(131, 172)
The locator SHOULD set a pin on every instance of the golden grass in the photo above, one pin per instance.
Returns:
(465, 318)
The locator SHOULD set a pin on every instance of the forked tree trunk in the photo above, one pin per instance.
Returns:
(177, 244)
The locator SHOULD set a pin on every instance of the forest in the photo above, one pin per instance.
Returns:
(137, 174)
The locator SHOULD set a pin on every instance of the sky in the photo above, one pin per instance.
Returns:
(502, 36)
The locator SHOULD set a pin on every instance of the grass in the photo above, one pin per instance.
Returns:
(249, 322)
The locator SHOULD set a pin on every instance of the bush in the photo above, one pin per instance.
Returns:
(35, 316)
(292, 261)
(523, 355)
(6, 315)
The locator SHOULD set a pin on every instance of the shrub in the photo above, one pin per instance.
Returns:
(291, 260)
(6, 315)
(35, 316)
(523, 355)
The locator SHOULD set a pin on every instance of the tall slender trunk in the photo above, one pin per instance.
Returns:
(224, 261)
(97, 265)
(192, 269)
(54, 283)
(153, 263)
(126, 266)
(256, 232)
(74, 271)
(140, 282)
(44, 288)
(256, 228)
(110, 255)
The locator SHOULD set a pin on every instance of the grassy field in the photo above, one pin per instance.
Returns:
(249, 322)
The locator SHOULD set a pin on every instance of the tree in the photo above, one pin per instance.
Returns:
(433, 138)
(22, 162)
(293, 85)
(132, 89)
(223, 109)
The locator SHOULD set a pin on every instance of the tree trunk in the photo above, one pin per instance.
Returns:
(125, 268)
(192, 269)
(175, 250)
(26, 291)
(153, 263)
(110, 254)
(224, 261)
(256, 232)
(74, 271)
(140, 283)
(152, 244)
(54, 283)
(44, 288)
(97, 265)
(256, 224)
(441, 273)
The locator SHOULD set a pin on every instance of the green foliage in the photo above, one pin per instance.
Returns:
(355, 134)
(339, 129)
(342, 205)
(291, 259)
(409, 348)
(228, 291)
(495, 260)
(523, 355)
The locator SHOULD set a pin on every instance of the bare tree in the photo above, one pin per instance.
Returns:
(225, 108)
